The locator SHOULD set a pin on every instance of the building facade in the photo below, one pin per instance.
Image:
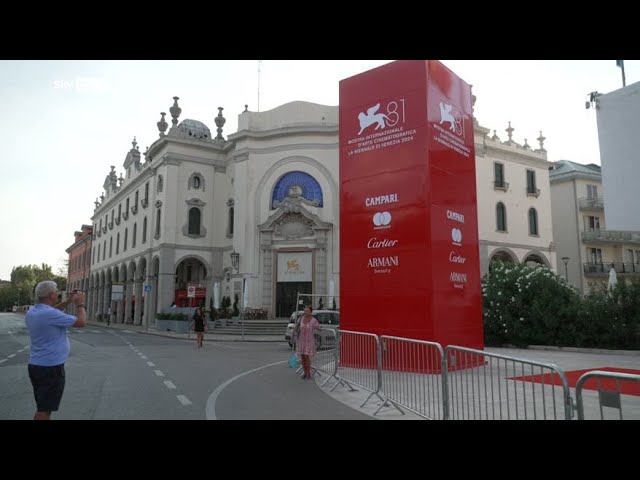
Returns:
(587, 248)
(618, 114)
(255, 216)
(80, 260)
(514, 201)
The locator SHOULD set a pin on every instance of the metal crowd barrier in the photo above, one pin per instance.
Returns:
(358, 363)
(486, 386)
(411, 375)
(325, 359)
(606, 397)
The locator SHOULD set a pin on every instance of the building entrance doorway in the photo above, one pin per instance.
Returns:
(287, 294)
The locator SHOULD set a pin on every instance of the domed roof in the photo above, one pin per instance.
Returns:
(194, 128)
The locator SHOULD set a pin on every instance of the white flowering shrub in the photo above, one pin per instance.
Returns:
(528, 306)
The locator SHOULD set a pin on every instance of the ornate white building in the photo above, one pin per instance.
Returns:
(256, 215)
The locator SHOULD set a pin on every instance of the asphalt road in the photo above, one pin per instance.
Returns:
(121, 375)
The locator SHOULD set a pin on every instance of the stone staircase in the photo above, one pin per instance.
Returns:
(276, 326)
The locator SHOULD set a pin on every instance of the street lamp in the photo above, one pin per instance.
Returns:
(566, 268)
(235, 260)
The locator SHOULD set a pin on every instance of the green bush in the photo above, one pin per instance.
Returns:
(528, 306)
(610, 318)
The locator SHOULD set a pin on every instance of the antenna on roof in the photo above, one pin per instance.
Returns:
(259, 65)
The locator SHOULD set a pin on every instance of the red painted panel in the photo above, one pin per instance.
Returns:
(409, 258)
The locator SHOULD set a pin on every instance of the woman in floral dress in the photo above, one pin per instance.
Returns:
(306, 344)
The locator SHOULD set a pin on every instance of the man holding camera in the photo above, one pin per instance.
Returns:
(47, 324)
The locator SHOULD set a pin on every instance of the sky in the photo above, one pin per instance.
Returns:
(63, 123)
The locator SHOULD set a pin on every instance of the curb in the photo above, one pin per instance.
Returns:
(629, 353)
(175, 336)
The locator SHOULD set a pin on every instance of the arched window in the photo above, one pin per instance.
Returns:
(298, 183)
(196, 182)
(110, 246)
(126, 236)
(135, 234)
(144, 230)
(94, 254)
(159, 183)
(118, 244)
(230, 221)
(158, 222)
(104, 249)
(533, 222)
(501, 217)
(194, 220)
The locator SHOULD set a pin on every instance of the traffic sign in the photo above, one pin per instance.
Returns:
(191, 291)
(147, 287)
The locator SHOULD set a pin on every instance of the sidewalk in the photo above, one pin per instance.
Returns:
(210, 336)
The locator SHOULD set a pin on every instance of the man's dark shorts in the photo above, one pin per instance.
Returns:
(48, 386)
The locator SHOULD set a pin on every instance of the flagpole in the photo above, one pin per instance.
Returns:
(620, 63)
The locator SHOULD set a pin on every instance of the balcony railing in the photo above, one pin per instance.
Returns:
(144, 202)
(533, 192)
(501, 185)
(611, 236)
(591, 203)
(620, 267)
(134, 209)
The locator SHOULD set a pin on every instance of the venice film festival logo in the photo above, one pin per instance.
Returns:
(453, 119)
(381, 120)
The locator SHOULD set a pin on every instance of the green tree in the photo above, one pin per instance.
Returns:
(26, 277)
(9, 296)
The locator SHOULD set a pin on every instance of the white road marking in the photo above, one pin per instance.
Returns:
(12, 355)
(184, 400)
(159, 373)
(143, 357)
(10, 332)
(210, 410)
(170, 384)
(3, 360)
(151, 364)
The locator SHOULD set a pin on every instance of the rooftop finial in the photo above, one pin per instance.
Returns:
(134, 143)
(220, 121)
(509, 131)
(162, 124)
(246, 108)
(541, 140)
(175, 111)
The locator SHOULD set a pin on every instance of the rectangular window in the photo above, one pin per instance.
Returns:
(112, 210)
(146, 192)
(135, 203)
(127, 207)
(592, 191)
(595, 254)
(531, 182)
(499, 174)
(637, 256)
(591, 223)
(119, 210)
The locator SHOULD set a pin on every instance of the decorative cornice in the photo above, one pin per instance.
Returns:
(292, 130)
(196, 202)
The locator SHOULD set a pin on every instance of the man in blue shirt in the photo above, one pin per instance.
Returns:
(47, 324)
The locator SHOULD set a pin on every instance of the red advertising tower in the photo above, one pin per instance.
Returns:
(409, 257)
